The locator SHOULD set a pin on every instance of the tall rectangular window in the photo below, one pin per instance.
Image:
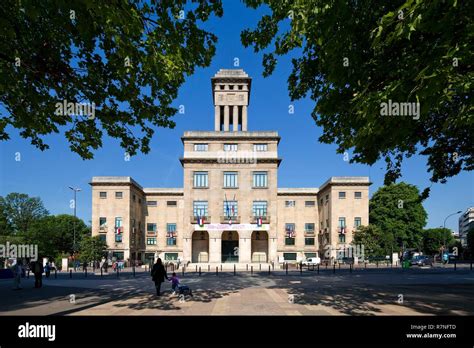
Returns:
(230, 180)
(170, 234)
(200, 208)
(290, 234)
(260, 147)
(200, 180)
(230, 147)
(259, 208)
(260, 179)
(230, 208)
(118, 238)
(118, 225)
(201, 147)
(342, 222)
(357, 222)
(342, 238)
(103, 222)
(309, 227)
(357, 195)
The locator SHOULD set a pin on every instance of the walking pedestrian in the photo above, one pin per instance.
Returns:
(47, 269)
(17, 270)
(158, 274)
(38, 272)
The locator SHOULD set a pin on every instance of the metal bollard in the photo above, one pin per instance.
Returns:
(377, 264)
(133, 269)
(269, 268)
(247, 267)
(273, 266)
(221, 268)
(70, 273)
(199, 270)
(196, 268)
(318, 268)
(217, 270)
(251, 269)
(182, 271)
(234, 268)
(334, 269)
(208, 268)
(339, 265)
(260, 267)
(55, 273)
(326, 265)
(85, 272)
(286, 265)
(454, 264)
(365, 265)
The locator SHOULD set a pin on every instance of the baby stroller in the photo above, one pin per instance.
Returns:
(184, 290)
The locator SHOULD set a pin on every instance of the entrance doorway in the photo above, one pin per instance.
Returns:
(259, 246)
(200, 247)
(230, 246)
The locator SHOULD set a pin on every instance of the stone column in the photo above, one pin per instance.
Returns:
(226, 118)
(245, 247)
(235, 118)
(244, 118)
(215, 247)
(217, 118)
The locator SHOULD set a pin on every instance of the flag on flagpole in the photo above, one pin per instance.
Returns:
(201, 221)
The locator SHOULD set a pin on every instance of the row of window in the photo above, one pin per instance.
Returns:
(307, 241)
(201, 180)
(259, 208)
(292, 203)
(231, 147)
(149, 240)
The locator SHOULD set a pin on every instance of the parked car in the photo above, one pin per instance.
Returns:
(311, 261)
(421, 260)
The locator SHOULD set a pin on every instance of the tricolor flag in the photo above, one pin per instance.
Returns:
(343, 230)
(119, 230)
(259, 221)
(201, 221)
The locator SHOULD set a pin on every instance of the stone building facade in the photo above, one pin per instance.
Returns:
(230, 208)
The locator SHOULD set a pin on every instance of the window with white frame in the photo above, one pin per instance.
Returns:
(200, 208)
(201, 147)
(260, 147)
(259, 208)
(230, 147)
(230, 180)
(230, 208)
(260, 179)
(201, 179)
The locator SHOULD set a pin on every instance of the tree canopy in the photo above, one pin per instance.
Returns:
(124, 59)
(375, 242)
(92, 249)
(397, 210)
(18, 212)
(355, 55)
(435, 238)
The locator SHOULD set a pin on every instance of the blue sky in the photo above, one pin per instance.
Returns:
(306, 162)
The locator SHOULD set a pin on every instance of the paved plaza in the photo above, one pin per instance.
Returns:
(375, 291)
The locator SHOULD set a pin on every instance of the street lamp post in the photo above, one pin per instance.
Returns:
(444, 226)
(74, 222)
